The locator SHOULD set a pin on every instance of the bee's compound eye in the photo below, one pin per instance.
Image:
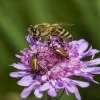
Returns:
(34, 30)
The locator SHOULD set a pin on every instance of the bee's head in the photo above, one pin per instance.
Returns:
(33, 32)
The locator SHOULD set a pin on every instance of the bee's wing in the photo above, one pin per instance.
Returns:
(62, 24)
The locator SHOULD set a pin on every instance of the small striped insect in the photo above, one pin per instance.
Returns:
(46, 31)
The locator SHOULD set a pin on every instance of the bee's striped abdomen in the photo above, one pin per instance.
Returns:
(65, 35)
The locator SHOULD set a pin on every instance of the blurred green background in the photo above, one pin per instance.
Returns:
(15, 18)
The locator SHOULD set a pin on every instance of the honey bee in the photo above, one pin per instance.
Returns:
(48, 30)
(34, 63)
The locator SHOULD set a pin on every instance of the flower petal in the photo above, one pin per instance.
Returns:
(66, 90)
(45, 86)
(69, 88)
(28, 77)
(59, 85)
(52, 92)
(94, 62)
(93, 52)
(18, 56)
(52, 81)
(25, 81)
(96, 70)
(44, 77)
(38, 93)
(77, 94)
(87, 53)
(81, 84)
(30, 40)
(88, 69)
(19, 66)
(80, 41)
(89, 77)
(18, 74)
(83, 46)
(26, 92)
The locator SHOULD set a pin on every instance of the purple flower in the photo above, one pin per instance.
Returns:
(55, 72)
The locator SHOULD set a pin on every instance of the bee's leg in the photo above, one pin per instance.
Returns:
(61, 42)
(48, 40)
(48, 43)
(35, 39)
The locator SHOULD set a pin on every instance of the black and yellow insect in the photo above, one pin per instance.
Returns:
(48, 30)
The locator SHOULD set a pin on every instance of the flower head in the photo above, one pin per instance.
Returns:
(55, 72)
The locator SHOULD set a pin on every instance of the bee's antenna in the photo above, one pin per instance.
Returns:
(61, 94)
